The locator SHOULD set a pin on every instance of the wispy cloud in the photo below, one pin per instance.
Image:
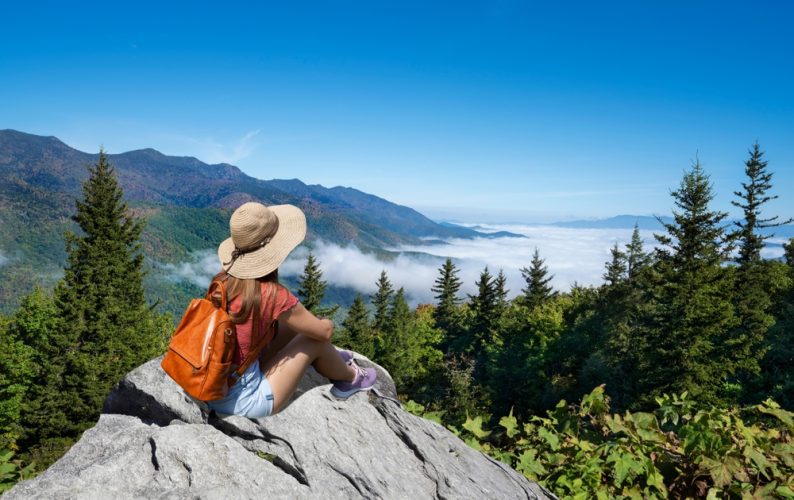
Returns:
(211, 150)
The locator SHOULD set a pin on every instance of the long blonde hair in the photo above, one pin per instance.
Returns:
(249, 289)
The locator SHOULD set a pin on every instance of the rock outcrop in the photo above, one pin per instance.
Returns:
(152, 441)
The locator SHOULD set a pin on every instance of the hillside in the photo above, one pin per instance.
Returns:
(186, 203)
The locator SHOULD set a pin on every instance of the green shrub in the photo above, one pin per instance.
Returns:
(679, 451)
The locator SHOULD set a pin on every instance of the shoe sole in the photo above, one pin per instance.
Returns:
(340, 394)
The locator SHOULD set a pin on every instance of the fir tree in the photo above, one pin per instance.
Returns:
(693, 308)
(358, 331)
(500, 287)
(106, 325)
(615, 268)
(484, 311)
(538, 291)
(311, 289)
(752, 300)
(381, 302)
(751, 199)
(446, 290)
(636, 258)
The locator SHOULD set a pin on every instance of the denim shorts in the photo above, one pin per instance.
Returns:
(251, 396)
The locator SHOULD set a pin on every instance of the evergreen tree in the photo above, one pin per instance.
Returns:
(751, 199)
(446, 290)
(692, 292)
(34, 370)
(538, 290)
(752, 299)
(636, 258)
(359, 334)
(501, 291)
(311, 289)
(615, 268)
(100, 302)
(484, 311)
(381, 302)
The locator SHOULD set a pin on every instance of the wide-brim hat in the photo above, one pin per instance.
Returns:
(261, 238)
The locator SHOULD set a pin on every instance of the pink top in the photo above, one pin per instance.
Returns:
(284, 302)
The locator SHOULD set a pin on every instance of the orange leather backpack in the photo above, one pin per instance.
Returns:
(199, 356)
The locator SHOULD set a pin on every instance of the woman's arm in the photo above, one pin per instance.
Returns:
(298, 319)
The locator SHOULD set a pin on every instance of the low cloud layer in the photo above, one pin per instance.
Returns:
(572, 255)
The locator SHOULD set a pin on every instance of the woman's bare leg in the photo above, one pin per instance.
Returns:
(287, 367)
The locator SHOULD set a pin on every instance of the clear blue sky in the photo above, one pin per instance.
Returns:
(480, 111)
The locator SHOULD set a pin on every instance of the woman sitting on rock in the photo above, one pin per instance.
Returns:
(261, 238)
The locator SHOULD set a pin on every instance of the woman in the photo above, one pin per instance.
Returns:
(261, 238)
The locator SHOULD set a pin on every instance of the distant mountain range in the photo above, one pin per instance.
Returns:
(186, 203)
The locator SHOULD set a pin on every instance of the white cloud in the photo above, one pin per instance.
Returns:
(199, 270)
(571, 255)
(211, 151)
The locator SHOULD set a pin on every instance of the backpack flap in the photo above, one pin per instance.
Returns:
(193, 344)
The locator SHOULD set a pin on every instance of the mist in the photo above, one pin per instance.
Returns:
(572, 255)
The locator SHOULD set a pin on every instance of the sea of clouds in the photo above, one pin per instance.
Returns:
(572, 255)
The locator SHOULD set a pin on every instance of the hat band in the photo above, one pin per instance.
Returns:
(238, 252)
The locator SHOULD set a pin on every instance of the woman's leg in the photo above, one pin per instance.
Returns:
(286, 368)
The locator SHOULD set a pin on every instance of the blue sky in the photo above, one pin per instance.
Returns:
(488, 111)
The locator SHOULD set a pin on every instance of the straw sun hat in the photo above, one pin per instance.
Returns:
(262, 237)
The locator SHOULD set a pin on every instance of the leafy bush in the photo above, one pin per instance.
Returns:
(11, 471)
(583, 451)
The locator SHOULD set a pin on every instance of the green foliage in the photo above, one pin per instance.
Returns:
(311, 289)
(538, 289)
(692, 310)
(358, 333)
(583, 451)
(12, 471)
(615, 268)
(447, 313)
(408, 346)
(381, 302)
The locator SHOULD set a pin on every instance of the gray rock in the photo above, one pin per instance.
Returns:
(153, 441)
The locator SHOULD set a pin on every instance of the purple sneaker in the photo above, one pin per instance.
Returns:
(345, 355)
(364, 381)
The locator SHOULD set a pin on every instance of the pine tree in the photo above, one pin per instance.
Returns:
(751, 199)
(636, 258)
(381, 301)
(446, 289)
(538, 291)
(102, 311)
(500, 287)
(752, 300)
(483, 326)
(693, 307)
(615, 268)
(311, 289)
(359, 333)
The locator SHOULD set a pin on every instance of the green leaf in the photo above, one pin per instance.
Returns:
(412, 406)
(551, 438)
(474, 425)
(784, 491)
(758, 459)
(510, 424)
(529, 465)
(721, 472)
